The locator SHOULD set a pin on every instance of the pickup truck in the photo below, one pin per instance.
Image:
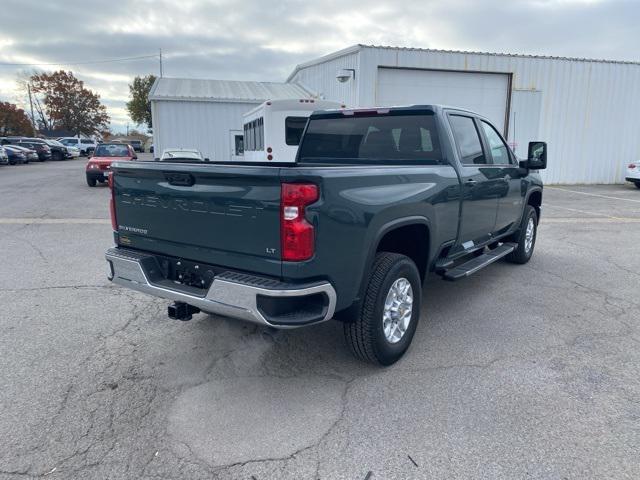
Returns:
(376, 200)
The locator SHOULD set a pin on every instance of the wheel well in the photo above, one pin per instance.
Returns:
(535, 200)
(410, 240)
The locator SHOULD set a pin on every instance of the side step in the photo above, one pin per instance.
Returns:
(478, 263)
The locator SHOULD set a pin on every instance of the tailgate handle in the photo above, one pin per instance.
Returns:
(180, 179)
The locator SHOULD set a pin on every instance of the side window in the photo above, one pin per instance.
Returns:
(294, 126)
(499, 151)
(468, 140)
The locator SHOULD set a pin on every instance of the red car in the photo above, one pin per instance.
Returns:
(99, 165)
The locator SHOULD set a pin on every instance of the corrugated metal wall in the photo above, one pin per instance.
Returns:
(205, 126)
(321, 79)
(589, 114)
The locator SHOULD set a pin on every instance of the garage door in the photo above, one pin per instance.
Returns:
(484, 93)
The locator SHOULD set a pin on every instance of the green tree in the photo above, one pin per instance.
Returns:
(13, 120)
(139, 107)
(68, 104)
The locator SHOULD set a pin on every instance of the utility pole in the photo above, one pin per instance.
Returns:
(160, 63)
(33, 119)
(127, 129)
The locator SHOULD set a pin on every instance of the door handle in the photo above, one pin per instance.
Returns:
(471, 182)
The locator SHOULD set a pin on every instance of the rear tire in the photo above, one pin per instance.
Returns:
(57, 156)
(91, 182)
(380, 333)
(525, 237)
(637, 184)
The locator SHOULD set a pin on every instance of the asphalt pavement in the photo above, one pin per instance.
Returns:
(517, 372)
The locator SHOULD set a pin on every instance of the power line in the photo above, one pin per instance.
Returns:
(77, 63)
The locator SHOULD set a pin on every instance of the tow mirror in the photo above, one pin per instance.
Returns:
(536, 156)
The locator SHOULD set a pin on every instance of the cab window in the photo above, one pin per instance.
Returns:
(499, 151)
(468, 140)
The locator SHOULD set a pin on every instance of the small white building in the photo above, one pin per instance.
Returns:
(587, 110)
(207, 114)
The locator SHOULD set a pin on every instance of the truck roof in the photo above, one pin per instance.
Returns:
(395, 108)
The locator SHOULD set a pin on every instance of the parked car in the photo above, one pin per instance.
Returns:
(86, 146)
(58, 151)
(73, 151)
(42, 149)
(376, 200)
(137, 145)
(181, 155)
(633, 173)
(4, 158)
(30, 154)
(99, 165)
(16, 154)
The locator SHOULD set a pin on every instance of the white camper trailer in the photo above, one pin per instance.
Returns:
(272, 130)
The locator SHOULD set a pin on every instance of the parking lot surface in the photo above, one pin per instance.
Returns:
(517, 372)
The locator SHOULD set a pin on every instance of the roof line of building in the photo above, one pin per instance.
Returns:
(255, 95)
(325, 58)
(360, 46)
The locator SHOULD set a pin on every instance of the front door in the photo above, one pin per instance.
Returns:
(509, 177)
(237, 144)
(479, 196)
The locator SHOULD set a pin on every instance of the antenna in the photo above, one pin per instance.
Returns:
(160, 63)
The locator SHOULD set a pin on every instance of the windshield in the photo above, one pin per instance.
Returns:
(397, 137)
(54, 142)
(112, 151)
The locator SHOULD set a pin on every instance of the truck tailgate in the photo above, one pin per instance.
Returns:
(217, 214)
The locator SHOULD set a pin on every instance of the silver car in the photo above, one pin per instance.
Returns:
(4, 158)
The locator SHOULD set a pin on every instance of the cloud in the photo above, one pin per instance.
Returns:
(264, 40)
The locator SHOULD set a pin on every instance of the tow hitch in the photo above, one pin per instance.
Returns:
(182, 311)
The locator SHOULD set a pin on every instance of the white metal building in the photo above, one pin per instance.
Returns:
(587, 110)
(207, 114)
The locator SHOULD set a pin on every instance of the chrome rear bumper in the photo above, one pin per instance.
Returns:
(231, 294)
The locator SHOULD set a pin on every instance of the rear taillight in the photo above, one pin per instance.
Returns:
(632, 165)
(112, 205)
(297, 236)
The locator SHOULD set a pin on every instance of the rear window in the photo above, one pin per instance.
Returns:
(395, 137)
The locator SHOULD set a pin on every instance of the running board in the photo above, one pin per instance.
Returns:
(478, 263)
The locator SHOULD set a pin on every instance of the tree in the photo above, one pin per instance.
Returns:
(67, 104)
(139, 107)
(13, 120)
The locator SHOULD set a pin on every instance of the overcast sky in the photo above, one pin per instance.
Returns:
(263, 40)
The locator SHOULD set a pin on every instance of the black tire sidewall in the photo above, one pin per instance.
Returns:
(529, 213)
(386, 352)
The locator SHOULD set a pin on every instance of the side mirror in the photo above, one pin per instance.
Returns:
(536, 156)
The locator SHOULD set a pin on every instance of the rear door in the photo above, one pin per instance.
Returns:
(479, 197)
(221, 215)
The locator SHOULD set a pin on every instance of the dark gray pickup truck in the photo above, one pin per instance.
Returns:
(376, 200)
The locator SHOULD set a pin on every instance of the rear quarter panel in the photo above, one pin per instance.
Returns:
(357, 203)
